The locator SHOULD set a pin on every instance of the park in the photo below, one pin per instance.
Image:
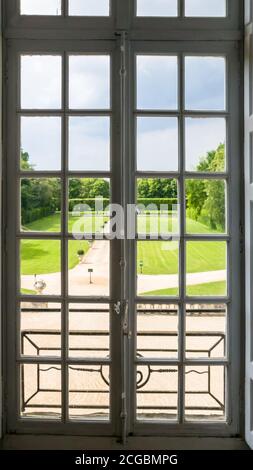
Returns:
(157, 261)
(157, 276)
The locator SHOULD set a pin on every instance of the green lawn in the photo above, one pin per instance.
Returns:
(91, 222)
(162, 257)
(212, 288)
(168, 223)
(43, 256)
(28, 292)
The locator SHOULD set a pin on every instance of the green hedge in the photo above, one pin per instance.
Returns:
(91, 202)
(31, 215)
(158, 202)
(141, 201)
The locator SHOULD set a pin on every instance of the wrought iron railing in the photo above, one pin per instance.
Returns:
(143, 373)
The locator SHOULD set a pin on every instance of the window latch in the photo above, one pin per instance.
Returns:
(117, 307)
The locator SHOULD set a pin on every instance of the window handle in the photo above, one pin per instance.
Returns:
(117, 307)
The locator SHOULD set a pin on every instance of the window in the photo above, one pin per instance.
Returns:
(141, 128)
(75, 7)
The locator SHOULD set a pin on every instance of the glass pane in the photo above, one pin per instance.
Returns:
(40, 391)
(89, 268)
(89, 143)
(157, 392)
(41, 82)
(157, 82)
(205, 393)
(40, 7)
(157, 207)
(157, 144)
(89, 82)
(206, 264)
(88, 206)
(40, 267)
(214, 8)
(157, 331)
(40, 143)
(40, 325)
(205, 144)
(40, 205)
(157, 7)
(157, 268)
(89, 330)
(89, 392)
(205, 83)
(206, 331)
(89, 7)
(205, 206)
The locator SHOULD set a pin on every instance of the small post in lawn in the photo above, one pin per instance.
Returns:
(90, 271)
(141, 266)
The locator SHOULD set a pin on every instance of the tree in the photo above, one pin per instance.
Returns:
(215, 203)
(206, 198)
(99, 188)
(153, 188)
(75, 188)
(24, 161)
(40, 197)
(196, 197)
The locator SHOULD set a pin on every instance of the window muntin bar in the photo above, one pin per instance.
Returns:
(47, 273)
(191, 237)
(43, 48)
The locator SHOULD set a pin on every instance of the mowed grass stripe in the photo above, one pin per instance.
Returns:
(43, 256)
(209, 289)
(163, 257)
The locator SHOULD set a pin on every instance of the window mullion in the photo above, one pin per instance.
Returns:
(182, 264)
(64, 245)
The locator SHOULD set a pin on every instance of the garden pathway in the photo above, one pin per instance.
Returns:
(97, 259)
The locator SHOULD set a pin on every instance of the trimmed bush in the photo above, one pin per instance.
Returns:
(170, 202)
(90, 202)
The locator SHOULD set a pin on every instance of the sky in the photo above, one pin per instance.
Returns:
(157, 7)
(192, 7)
(40, 7)
(89, 82)
(76, 7)
(41, 82)
(144, 7)
(157, 144)
(89, 143)
(41, 138)
(89, 88)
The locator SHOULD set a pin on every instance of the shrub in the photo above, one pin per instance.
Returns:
(90, 202)
(158, 202)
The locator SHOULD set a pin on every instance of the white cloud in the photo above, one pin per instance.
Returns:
(205, 83)
(202, 136)
(41, 138)
(89, 7)
(157, 144)
(212, 8)
(40, 7)
(89, 82)
(89, 143)
(157, 7)
(157, 82)
(40, 82)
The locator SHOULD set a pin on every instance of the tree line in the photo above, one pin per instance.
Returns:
(41, 197)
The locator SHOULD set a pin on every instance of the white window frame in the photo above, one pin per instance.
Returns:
(172, 34)
(248, 108)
